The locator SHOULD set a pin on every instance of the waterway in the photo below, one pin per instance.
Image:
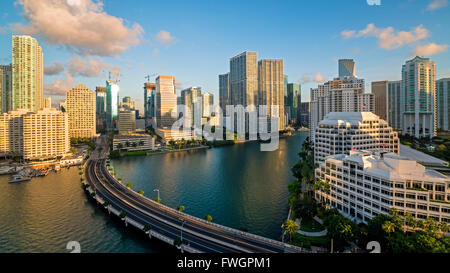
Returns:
(239, 186)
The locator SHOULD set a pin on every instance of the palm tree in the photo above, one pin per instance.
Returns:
(291, 227)
(129, 185)
(389, 227)
(180, 208)
(208, 218)
(141, 192)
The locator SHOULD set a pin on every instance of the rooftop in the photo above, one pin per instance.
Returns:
(348, 118)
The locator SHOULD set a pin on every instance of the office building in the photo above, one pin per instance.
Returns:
(293, 101)
(271, 89)
(149, 102)
(304, 114)
(340, 133)
(364, 184)
(35, 136)
(126, 122)
(112, 103)
(47, 102)
(244, 79)
(5, 87)
(394, 114)
(166, 101)
(418, 98)
(191, 98)
(127, 103)
(81, 108)
(169, 134)
(443, 104)
(133, 142)
(208, 104)
(224, 91)
(27, 74)
(379, 91)
(347, 68)
(100, 97)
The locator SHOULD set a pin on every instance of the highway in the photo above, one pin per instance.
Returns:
(197, 233)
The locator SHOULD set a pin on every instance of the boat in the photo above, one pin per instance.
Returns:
(19, 178)
(6, 170)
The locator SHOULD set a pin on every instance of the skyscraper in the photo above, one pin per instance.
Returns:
(393, 106)
(27, 74)
(208, 104)
(81, 108)
(418, 97)
(379, 91)
(271, 88)
(100, 92)
(128, 103)
(443, 104)
(112, 103)
(5, 87)
(166, 101)
(149, 102)
(191, 98)
(244, 79)
(126, 122)
(224, 91)
(293, 101)
(347, 68)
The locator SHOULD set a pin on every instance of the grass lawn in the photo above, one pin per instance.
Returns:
(307, 242)
(311, 225)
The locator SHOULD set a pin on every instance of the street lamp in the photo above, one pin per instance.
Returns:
(157, 190)
(181, 231)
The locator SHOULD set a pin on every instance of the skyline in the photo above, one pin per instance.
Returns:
(158, 44)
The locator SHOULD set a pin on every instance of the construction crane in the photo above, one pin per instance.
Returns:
(149, 76)
(117, 74)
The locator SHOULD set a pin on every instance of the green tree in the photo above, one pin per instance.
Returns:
(389, 227)
(180, 208)
(208, 218)
(129, 185)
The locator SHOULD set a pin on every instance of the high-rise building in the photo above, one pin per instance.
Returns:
(112, 103)
(191, 98)
(293, 101)
(443, 104)
(100, 97)
(47, 102)
(271, 88)
(304, 114)
(149, 102)
(365, 184)
(338, 95)
(379, 91)
(35, 136)
(27, 74)
(224, 91)
(81, 108)
(127, 122)
(394, 114)
(347, 68)
(340, 133)
(5, 87)
(244, 79)
(166, 101)
(418, 97)
(208, 104)
(128, 103)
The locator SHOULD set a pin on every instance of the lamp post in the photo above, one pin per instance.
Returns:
(181, 231)
(157, 190)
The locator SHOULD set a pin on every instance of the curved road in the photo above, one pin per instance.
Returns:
(197, 233)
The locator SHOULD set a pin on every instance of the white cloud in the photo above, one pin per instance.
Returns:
(437, 4)
(387, 37)
(429, 49)
(54, 69)
(318, 78)
(79, 25)
(165, 38)
(90, 68)
(60, 86)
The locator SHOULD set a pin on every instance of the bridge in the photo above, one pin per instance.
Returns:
(167, 224)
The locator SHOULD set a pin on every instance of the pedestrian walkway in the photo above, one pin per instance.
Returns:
(310, 234)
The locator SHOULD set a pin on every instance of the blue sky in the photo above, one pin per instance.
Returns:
(193, 40)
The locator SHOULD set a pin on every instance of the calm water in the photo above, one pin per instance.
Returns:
(237, 185)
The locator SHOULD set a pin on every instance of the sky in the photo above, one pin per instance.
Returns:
(194, 40)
